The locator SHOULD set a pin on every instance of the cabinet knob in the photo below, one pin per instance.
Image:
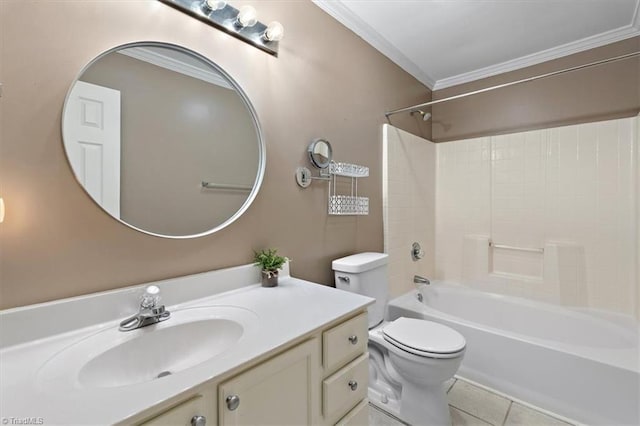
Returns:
(353, 340)
(198, 421)
(232, 402)
(353, 385)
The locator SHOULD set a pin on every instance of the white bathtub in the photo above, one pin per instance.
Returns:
(577, 363)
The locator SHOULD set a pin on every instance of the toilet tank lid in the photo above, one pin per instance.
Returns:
(360, 262)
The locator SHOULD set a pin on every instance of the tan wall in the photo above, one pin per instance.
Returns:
(593, 94)
(326, 82)
(167, 153)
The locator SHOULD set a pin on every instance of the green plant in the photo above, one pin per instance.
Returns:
(269, 260)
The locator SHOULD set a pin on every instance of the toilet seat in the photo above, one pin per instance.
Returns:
(424, 338)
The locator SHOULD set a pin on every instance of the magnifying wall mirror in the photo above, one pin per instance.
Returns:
(163, 140)
(320, 153)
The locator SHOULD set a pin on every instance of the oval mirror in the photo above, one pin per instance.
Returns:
(163, 139)
(320, 153)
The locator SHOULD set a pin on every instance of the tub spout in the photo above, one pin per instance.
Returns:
(421, 283)
(417, 279)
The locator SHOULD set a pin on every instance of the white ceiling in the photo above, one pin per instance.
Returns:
(447, 42)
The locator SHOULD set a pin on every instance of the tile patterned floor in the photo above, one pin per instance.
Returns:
(470, 405)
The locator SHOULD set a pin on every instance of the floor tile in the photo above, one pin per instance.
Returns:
(449, 383)
(380, 418)
(525, 416)
(460, 418)
(478, 402)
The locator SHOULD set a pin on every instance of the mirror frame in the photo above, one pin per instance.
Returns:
(311, 150)
(245, 100)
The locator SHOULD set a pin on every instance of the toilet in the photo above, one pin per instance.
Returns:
(409, 359)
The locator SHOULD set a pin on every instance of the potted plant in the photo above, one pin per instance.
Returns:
(270, 263)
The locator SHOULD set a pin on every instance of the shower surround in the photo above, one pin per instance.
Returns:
(568, 193)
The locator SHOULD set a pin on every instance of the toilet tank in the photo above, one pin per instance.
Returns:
(366, 274)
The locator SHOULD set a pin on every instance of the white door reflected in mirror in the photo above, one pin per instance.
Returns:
(92, 140)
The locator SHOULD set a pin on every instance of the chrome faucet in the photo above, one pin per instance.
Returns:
(420, 282)
(417, 279)
(150, 312)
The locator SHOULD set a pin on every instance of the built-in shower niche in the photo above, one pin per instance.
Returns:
(555, 272)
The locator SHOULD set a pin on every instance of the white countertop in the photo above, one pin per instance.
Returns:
(287, 312)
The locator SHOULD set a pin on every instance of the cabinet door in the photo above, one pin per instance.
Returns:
(281, 391)
(201, 406)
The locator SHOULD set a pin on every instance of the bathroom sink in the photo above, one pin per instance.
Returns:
(112, 358)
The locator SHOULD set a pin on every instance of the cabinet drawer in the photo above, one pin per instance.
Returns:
(184, 412)
(344, 342)
(344, 389)
(359, 416)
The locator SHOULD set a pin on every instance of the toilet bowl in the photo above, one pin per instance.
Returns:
(409, 359)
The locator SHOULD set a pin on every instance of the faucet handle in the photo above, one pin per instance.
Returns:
(150, 298)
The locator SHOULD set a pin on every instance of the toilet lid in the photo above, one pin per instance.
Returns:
(423, 337)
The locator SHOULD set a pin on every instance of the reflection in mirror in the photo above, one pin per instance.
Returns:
(320, 153)
(147, 124)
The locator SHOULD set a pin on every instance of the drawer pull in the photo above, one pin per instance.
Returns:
(353, 385)
(232, 402)
(198, 421)
(353, 340)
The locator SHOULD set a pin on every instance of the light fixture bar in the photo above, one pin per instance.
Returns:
(226, 19)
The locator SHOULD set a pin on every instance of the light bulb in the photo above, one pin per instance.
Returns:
(247, 16)
(216, 4)
(274, 31)
(1, 210)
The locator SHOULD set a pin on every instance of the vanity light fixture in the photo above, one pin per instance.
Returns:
(274, 32)
(216, 4)
(247, 17)
(1, 210)
(242, 24)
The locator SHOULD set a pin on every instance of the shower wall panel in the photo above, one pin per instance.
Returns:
(409, 172)
(569, 193)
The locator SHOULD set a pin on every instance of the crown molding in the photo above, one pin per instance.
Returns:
(349, 19)
(153, 57)
(587, 43)
(346, 17)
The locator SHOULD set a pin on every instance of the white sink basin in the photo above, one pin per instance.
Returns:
(112, 358)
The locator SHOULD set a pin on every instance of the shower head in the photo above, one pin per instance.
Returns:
(425, 115)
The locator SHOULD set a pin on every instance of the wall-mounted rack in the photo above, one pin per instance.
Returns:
(348, 170)
(320, 154)
(351, 204)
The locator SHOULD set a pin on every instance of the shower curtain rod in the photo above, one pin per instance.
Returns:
(512, 83)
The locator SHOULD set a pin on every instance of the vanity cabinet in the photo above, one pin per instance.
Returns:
(280, 391)
(321, 381)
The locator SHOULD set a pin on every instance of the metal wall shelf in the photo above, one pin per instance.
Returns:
(352, 204)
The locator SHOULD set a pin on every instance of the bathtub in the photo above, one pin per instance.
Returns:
(577, 363)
